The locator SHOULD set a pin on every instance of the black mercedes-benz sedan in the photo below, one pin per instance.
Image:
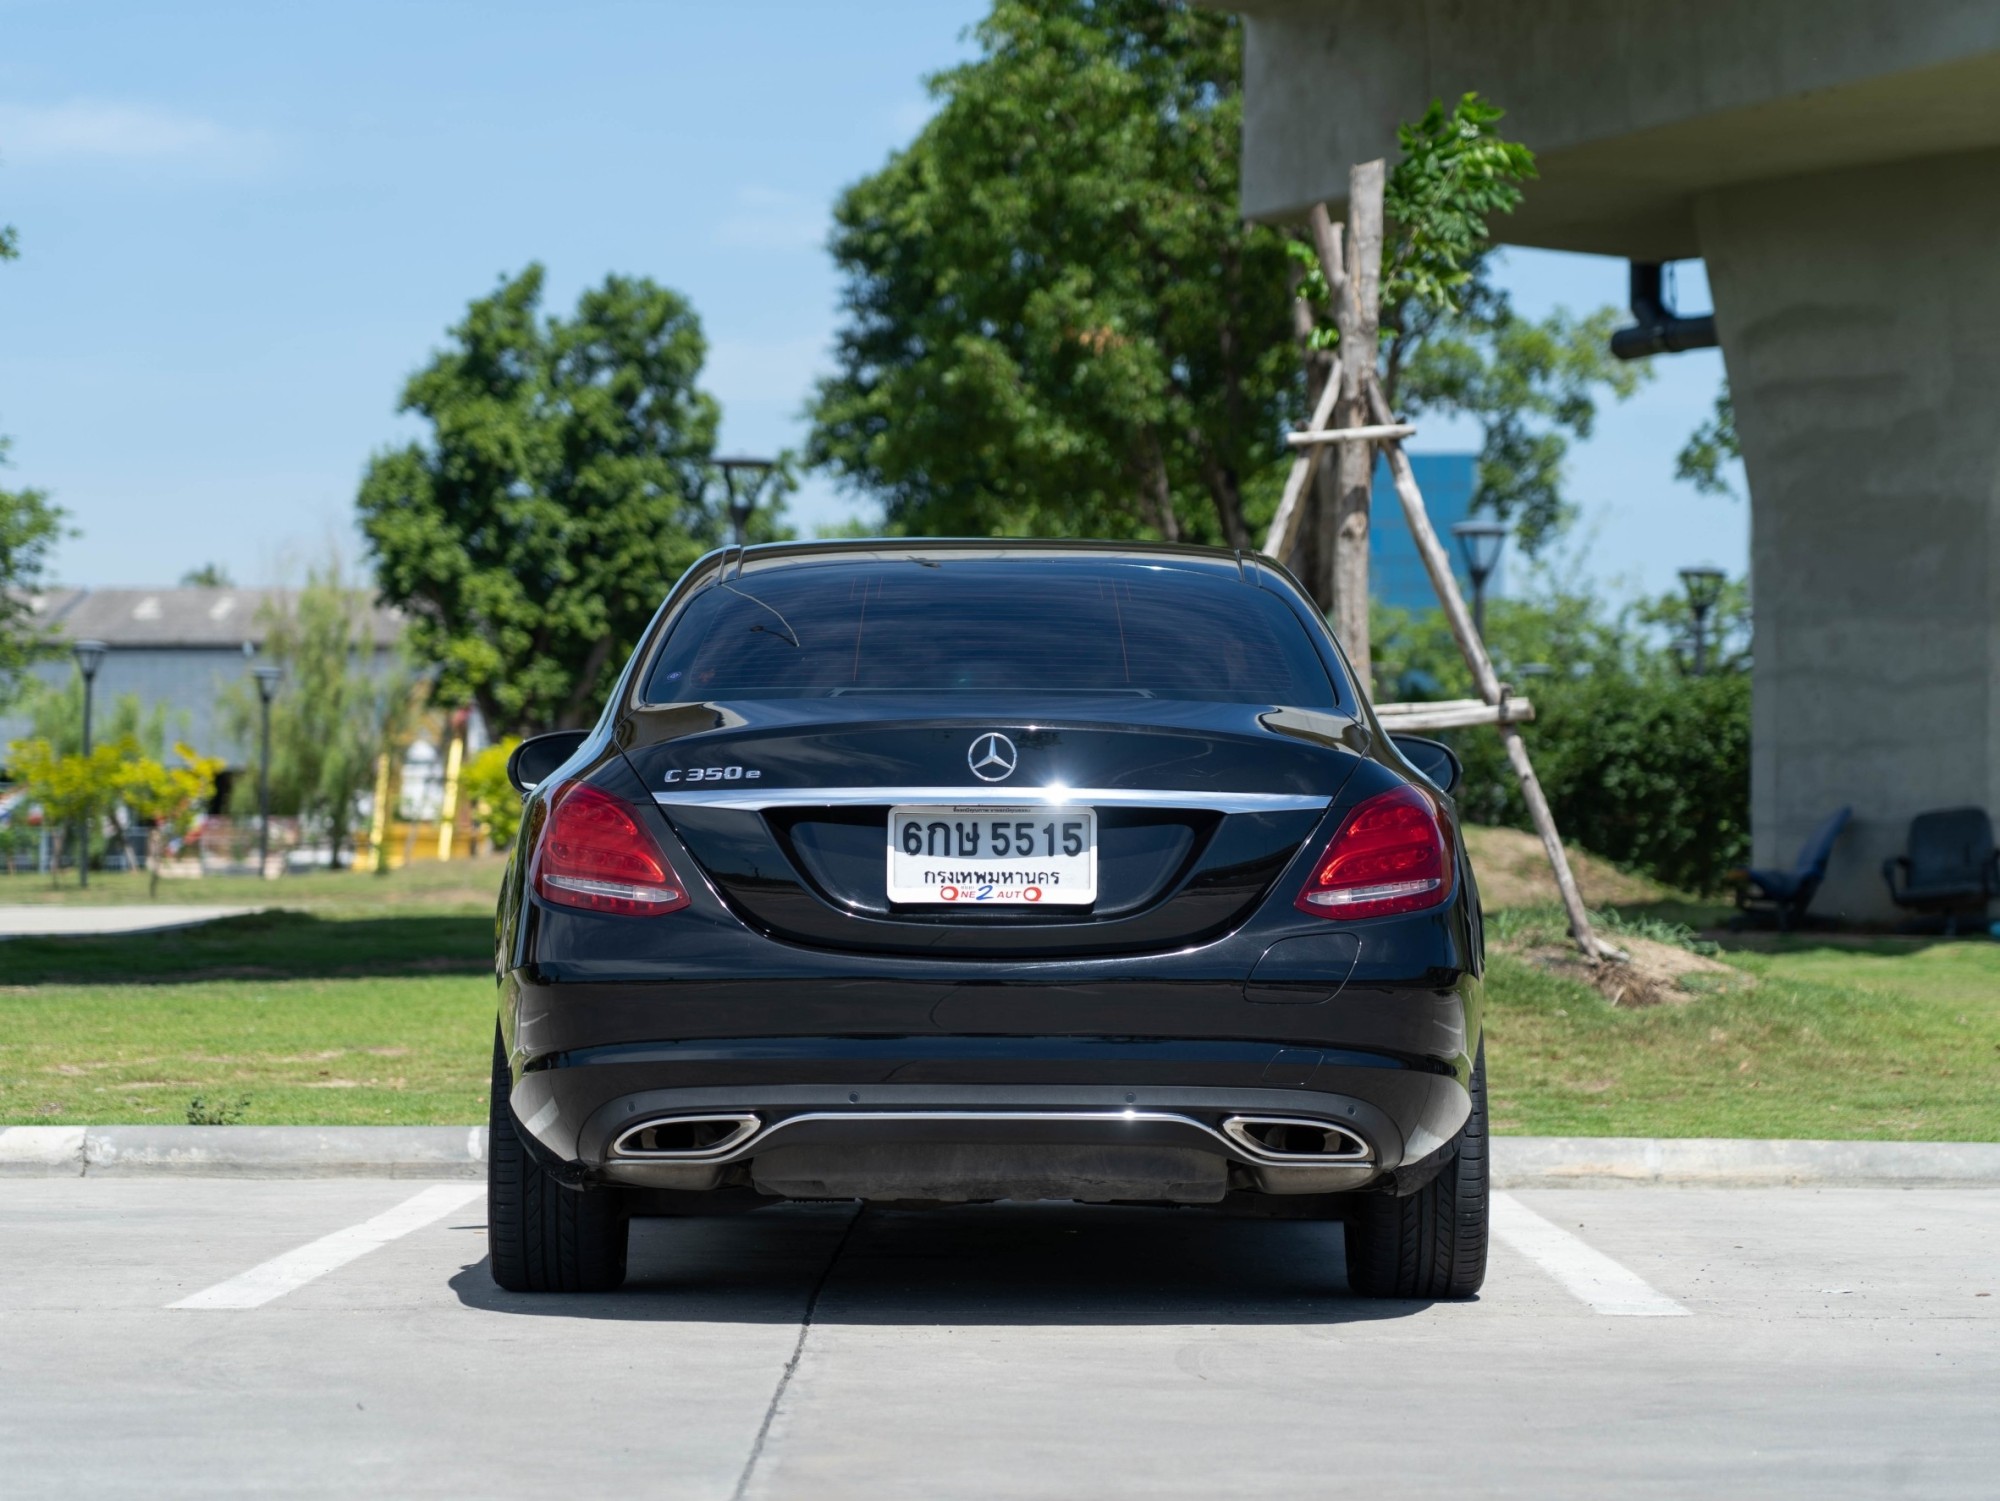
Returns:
(943, 872)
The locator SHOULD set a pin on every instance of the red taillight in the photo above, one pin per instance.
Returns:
(595, 854)
(1391, 855)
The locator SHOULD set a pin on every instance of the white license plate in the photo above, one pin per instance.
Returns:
(993, 856)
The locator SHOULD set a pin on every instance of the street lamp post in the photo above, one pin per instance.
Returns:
(1480, 542)
(745, 479)
(89, 657)
(1704, 592)
(267, 677)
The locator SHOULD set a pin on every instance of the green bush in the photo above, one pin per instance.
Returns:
(1642, 763)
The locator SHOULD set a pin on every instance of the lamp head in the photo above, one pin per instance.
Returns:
(89, 657)
(268, 677)
(1480, 541)
(752, 470)
(1704, 586)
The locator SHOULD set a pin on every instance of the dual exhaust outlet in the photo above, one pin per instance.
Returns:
(1271, 1139)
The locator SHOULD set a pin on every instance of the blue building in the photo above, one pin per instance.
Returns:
(1396, 572)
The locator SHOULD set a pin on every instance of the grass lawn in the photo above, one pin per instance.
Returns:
(369, 1001)
(465, 886)
(381, 1051)
(1895, 1040)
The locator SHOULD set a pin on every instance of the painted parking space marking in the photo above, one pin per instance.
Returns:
(294, 1269)
(1584, 1271)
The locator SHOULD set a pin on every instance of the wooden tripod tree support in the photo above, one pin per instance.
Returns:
(1438, 565)
(1367, 422)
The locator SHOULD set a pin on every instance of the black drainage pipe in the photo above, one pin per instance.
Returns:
(1658, 329)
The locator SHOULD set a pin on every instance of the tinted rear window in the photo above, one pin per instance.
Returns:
(1082, 626)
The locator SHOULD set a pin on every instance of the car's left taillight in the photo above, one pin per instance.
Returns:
(595, 854)
(1391, 854)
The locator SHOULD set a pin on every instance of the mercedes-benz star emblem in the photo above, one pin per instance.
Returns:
(992, 757)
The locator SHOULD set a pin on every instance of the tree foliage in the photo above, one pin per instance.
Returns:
(1642, 762)
(1055, 322)
(331, 712)
(1533, 386)
(30, 527)
(496, 806)
(1711, 448)
(1451, 341)
(167, 799)
(73, 791)
(54, 712)
(1456, 172)
(559, 493)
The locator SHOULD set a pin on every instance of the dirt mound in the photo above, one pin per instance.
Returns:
(1513, 871)
(1655, 974)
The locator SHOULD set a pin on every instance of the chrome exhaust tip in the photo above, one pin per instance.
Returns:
(686, 1138)
(1294, 1140)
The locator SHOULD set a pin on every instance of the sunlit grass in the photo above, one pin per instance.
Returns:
(388, 1050)
(1898, 1040)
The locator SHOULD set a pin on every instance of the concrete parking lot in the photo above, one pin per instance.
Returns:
(343, 1338)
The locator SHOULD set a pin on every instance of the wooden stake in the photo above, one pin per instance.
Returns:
(1359, 312)
(1452, 714)
(1291, 507)
(1438, 565)
(1372, 434)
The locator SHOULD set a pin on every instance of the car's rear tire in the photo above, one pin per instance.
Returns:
(1431, 1244)
(541, 1236)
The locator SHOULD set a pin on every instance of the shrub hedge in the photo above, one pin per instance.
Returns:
(1650, 769)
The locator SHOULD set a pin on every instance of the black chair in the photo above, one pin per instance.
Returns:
(1786, 894)
(1951, 866)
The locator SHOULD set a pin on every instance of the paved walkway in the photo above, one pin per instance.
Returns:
(22, 921)
(196, 1337)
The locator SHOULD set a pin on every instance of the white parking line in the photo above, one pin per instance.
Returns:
(1588, 1273)
(294, 1269)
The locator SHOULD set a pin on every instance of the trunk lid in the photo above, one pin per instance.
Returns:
(785, 806)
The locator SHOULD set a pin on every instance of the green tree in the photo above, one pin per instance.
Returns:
(331, 711)
(208, 576)
(1056, 323)
(496, 806)
(71, 790)
(1451, 340)
(29, 529)
(167, 799)
(1642, 763)
(1711, 448)
(1055, 320)
(54, 712)
(561, 490)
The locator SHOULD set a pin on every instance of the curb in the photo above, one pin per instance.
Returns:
(243, 1151)
(460, 1152)
(1725, 1162)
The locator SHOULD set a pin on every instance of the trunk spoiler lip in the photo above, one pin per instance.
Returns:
(760, 799)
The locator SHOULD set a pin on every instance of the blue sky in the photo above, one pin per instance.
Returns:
(243, 225)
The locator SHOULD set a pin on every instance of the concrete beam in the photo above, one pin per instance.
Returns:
(1633, 109)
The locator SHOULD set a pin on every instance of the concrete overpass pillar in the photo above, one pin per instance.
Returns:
(1860, 319)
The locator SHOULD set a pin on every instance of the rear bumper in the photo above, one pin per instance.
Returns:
(988, 1117)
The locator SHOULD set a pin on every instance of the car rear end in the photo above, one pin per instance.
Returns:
(961, 872)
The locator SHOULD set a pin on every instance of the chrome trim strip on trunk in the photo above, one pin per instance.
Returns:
(756, 800)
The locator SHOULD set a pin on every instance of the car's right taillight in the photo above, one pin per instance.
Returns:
(595, 854)
(1391, 854)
